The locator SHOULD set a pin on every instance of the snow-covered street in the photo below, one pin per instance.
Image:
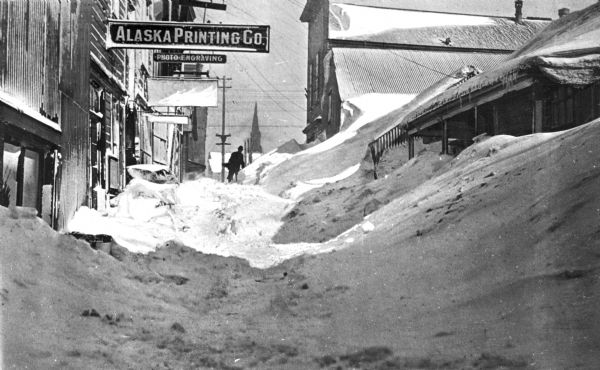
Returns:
(440, 211)
(458, 253)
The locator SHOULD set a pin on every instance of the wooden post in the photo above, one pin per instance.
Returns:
(223, 136)
(411, 146)
(122, 147)
(444, 137)
(595, 96)
(20, 177)
(495, 119)
(475, 116)
(537, 116)
(2, 133)
(533, 106)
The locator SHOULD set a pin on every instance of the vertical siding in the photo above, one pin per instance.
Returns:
(44, 63)
(28, 38)
(74, 86)
(3, 42)
(51, 56)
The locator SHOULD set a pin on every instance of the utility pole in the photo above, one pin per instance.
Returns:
(223, 136)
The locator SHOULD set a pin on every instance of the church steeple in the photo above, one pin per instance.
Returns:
(255, 146)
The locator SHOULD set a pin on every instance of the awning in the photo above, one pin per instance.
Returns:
(176, 92)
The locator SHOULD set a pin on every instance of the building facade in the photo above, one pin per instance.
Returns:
(44, 96)
(72, 112)
(357, 50)
(551, 84)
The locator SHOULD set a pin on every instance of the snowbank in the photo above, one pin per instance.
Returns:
(206, 215)
(259, 168)
(361, 111)
(302, 187)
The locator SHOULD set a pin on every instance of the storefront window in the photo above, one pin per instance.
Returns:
(29, 186)
(11, 161)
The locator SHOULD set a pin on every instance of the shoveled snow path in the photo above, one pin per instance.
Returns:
(208, 216)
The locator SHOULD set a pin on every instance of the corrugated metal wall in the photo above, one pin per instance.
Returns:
(74, 85)
(29, 60)
(44, 63)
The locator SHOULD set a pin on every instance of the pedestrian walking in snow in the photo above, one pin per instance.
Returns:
(236, 162)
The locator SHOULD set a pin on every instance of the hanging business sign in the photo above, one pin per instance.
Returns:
(184, 35)
(190, 58)
(176, 92)
(168, 119)
(203, 4)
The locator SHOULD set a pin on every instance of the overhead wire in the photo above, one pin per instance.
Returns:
(282, 108)
(270, 84)
(265, 92)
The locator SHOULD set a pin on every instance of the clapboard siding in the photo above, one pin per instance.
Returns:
(113, 60)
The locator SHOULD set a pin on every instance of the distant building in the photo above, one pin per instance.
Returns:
(355, 50)
(108, 96)
(550, 84)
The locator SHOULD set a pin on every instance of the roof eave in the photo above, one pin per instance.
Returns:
(456, 106)
(385, 45)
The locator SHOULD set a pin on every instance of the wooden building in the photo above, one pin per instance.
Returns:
(44, 95)
(356, 48)
(551, 84)
(120, 132)
(71, 111)
(108, 98)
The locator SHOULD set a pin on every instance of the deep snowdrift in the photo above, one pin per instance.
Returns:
(205, 215)
(491, 263)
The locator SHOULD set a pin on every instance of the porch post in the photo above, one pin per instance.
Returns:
(537, 116)
(2, 133)
(444, 137)
(495, 119)
(411, 146)
(475, 114)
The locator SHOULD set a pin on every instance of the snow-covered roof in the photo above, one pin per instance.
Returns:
(361, 71)
(429, 29)
(566, 52)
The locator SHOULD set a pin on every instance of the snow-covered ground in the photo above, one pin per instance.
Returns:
(227, 219)
(489, 262)
(359, 112)
(206, 215)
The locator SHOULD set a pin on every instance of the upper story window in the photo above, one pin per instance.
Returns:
(95, 97)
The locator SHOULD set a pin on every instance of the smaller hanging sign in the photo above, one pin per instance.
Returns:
(190, 58)
(168, 119)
